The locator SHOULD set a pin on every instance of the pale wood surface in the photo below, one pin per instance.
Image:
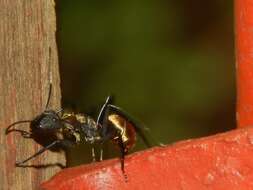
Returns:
(27, 30)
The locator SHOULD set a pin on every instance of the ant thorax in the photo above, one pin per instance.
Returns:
(82, 127)
(89, 128)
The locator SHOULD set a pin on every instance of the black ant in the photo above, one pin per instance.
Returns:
(67, 129)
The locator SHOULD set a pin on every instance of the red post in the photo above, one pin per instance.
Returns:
(244, 61)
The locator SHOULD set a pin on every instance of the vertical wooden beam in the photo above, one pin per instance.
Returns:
(244, 61)
(27, 30)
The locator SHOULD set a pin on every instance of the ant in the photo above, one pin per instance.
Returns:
(68, 129)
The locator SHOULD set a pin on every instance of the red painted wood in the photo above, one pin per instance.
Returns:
(244, 61)
(223, 161)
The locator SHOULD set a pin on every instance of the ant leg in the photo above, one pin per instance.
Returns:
(122, 157)
(39, 152)
(103, 112)
(101, 153)
(102, 120)
(93, 154)
(105, 137)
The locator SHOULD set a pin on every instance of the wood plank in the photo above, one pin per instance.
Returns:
(27, 30)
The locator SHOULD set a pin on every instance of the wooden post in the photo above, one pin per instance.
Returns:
(27, 31)
(244, 61)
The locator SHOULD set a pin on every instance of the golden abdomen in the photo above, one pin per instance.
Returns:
(125, 130)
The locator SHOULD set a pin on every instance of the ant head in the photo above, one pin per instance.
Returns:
(48, 120)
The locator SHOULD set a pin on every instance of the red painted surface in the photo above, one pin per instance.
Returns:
(244, 61)
(224, 161)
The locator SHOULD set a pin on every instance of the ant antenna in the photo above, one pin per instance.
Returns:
(8, 129)
(50, 77)
(49, 95)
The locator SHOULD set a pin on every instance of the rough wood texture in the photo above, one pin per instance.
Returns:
(27, 30)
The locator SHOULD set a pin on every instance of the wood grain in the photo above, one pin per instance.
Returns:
(27, 30)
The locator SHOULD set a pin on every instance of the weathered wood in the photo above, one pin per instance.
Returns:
(27, 30)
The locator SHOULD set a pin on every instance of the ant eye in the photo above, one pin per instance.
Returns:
(54, 120)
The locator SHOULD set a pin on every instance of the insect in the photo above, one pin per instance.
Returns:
(66, 129)
(120, 128)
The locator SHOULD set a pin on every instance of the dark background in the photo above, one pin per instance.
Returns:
(170, 64)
